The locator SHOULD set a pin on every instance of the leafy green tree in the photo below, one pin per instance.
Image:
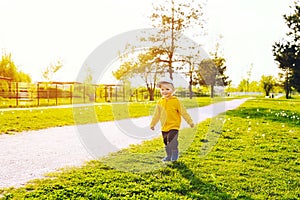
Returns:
(220, 63)
(146, 66)
(287, 52)
(254, 86)
(267, 83)
(211, 72)
(247, 86)
(206, 74)
(9, 69)
(243, 86)
(23, 77)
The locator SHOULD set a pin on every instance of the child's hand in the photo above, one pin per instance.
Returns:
(192, 125)
(152, 128)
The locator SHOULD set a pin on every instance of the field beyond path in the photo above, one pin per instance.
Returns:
(31, 154)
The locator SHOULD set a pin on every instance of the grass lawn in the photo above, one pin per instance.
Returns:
(256, 157)
(12, 121)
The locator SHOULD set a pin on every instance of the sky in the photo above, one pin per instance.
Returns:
(39, 33)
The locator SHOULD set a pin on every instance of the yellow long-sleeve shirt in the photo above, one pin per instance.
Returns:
(169, 112)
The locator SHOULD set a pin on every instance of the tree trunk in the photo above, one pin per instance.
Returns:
(170, 70)
(212, 91)
(191, 92)
(190, 87)
(151, 93)
(287, 90)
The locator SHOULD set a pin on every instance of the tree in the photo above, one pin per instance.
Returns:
(48, 74)
(51, 70)
(267, 83)
(190, 74)
(206, 74)
(23, 77)
(173, 18)
(287, 52)
(212, 71)
(243, 86)
(219, 61)
(9, 69)
(146, 66)
(254, 86)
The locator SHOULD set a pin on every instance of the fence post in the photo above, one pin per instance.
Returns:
(116, 93)
(105, 93)
(110, 93)
(71, 95)
(38, 94)
(9, 89)
(56, 93)
(95, 93)
(17, 94)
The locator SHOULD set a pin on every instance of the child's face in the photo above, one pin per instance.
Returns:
(166, 90)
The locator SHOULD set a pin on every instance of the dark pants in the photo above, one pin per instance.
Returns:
(170, 139)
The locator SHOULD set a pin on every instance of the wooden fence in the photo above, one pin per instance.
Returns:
(19, 94)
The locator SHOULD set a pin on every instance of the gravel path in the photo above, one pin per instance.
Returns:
(29, 155)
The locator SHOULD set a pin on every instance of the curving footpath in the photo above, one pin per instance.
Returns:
(30, 155)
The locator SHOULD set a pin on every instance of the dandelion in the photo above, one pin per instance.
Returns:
(283, 114)
(249, 129)
(283, 126)
(257, 110)
(248, 117)
(263, 135)
(293, 117)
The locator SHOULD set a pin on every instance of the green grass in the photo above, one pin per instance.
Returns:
(256, 157)
(26, 103)
(12, 121)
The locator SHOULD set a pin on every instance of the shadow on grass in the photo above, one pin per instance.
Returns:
(274, 115)
(170, 174)
(199, 189)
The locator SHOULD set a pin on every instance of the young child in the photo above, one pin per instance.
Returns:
(169, 111)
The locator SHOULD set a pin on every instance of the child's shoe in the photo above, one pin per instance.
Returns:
(166, 159)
